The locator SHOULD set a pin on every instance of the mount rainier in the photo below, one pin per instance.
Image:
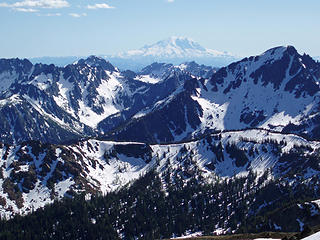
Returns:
(175, 50)
(172, 50)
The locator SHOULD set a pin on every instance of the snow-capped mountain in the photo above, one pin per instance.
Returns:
(174, 47)
(277, 90)
(55, 104)
(175, 50)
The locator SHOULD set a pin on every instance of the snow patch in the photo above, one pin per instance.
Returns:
(147, 79)
(315, 236)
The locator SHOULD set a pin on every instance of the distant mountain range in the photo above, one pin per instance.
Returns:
(174, 50)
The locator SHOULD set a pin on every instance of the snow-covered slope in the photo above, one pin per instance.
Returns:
(34, 174)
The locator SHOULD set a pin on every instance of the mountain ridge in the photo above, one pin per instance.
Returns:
(83, 98)
(235, 97)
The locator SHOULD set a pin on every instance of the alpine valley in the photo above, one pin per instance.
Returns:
(92, 152)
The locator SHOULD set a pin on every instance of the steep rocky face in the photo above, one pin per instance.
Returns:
(165, 121)
(277, 66)
(34, 106)
(146, 97)
(21, 120)
(13, 71)
(198, 70)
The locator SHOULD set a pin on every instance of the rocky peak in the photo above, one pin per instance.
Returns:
(197, 69)
(156, 69)
(94, 61)
(15, 64)
(276, 66)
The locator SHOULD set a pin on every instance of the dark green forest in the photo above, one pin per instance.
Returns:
(145, 210)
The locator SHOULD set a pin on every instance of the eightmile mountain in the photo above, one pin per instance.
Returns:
(89, 151)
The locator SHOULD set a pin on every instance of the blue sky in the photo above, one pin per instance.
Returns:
(33, 28)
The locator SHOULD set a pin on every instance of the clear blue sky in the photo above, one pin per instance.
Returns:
(31, 28)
